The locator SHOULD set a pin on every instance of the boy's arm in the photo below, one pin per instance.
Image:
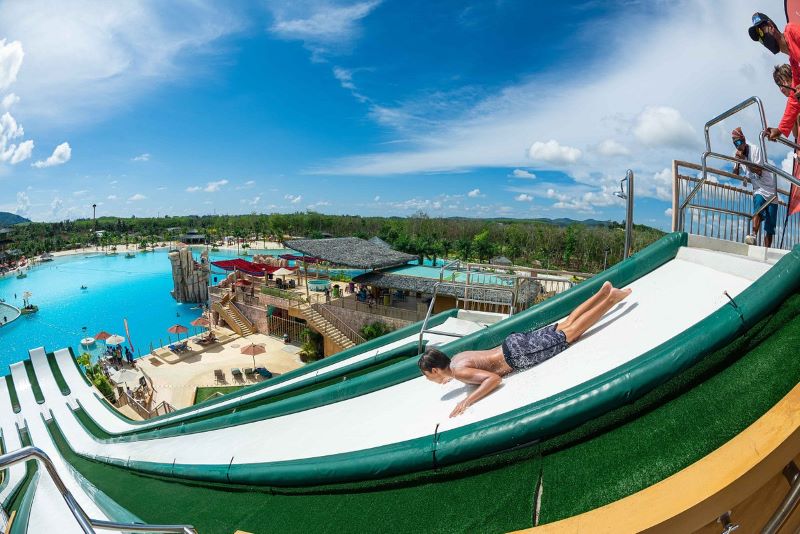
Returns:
(486, 381)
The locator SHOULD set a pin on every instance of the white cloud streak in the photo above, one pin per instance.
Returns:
(61, 154)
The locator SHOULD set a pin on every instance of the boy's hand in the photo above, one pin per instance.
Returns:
(460, 408)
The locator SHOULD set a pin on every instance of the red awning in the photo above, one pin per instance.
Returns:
(255, 269)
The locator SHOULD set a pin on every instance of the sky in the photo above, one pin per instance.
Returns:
(497, 108)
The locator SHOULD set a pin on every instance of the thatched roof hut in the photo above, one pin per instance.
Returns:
(350, 252)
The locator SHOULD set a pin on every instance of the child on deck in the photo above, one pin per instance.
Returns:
(519, 351)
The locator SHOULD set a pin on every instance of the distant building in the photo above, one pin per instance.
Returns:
(192, 237)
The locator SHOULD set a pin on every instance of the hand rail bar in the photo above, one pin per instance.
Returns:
(424, 329)
(84, 521)
(719, 118)
(785, 509)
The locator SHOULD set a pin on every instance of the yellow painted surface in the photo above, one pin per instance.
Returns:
(744, 476)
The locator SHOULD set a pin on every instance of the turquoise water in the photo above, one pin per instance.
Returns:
(137, 289)
(426, 271)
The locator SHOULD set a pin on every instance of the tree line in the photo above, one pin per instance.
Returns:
(575, 247)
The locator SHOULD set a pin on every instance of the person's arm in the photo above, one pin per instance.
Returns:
(486, 381)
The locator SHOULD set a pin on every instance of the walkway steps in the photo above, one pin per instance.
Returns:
(234, 318)
(325, 327)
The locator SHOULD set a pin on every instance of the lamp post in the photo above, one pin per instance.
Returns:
(627, 194)
(94, 221)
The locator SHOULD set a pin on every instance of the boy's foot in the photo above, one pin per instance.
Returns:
(750, 239)
(606, 287)
(617, 295)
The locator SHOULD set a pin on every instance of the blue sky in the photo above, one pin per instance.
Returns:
(376, 107)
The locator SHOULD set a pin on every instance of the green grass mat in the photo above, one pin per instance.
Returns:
(497, 499)
(35, 388)
(203, 393)
(762, 367)
(62, 384)
(12, 392)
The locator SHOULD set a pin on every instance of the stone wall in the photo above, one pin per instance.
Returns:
(356, 319)
(189, 278)
(256, 315)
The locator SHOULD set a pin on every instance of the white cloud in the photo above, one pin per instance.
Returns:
(80, 193)
(11, 55)
(137, 196)
(86, 58)
(475, 193)
(23, 203)
(250, 182)
(611, 148)
(496, 130)
(193, 189)
(657, 185)
(664, 126)
(293, 199)
(22, 152)
(255, 200)
(553, 152)
(319, 204)
(111, 197)
(9, 100)
(377, 198)
(523, 197)
(322, 27)
(213, 187)
(60, 155)
(56, 205)
(142, 157)
(345, 77)
(521, 173)
(668, 212)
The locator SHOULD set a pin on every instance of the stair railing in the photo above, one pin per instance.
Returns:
(86, 523)
(338, 324)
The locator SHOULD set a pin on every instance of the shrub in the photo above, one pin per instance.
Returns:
(312, 348)
(376, 329)
(105, 387)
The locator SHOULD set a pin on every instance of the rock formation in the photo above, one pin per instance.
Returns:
(189, 277)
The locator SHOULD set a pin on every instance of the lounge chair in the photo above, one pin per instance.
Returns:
(248, 371)
(219, 376)
(237, 373)
(263, 372)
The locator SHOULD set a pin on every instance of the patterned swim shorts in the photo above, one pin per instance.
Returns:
(528, 349)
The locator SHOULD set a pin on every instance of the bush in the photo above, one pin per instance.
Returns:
(376, 329)
(105, 387)
(312, 348)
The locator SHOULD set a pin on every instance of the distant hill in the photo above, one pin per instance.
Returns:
(9, 219)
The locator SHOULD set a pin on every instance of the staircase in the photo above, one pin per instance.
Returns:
(235, 319)
(316, 321)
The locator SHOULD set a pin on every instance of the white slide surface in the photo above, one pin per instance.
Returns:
(8, 424)
(663, 304)
(93, 405)
(50, 512)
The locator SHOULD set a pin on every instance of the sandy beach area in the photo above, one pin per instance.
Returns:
(175, 377)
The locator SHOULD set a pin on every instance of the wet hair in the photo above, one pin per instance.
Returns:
(433, 358)
(782, 73)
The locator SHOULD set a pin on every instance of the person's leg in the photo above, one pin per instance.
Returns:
(770, 222)
(603, 292)
(575, 329)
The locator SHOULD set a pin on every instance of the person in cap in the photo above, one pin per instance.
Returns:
(764, 187)
(765, 31)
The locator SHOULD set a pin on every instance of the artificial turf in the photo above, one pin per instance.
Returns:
(615, 455)
(203, 393)
(62, 384)
(35, 388)
(12, 392)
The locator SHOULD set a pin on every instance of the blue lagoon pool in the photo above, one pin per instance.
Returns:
(117, 287)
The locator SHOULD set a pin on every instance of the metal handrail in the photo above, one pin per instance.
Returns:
(424, 329)
(762, 143)
(337, 323)
(86, 523)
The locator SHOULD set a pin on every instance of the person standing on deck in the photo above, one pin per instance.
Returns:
(764, 188)
(765, 31)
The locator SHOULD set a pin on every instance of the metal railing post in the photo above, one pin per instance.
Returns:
(627, 194)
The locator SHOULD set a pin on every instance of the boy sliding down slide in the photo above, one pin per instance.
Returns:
(519, 351)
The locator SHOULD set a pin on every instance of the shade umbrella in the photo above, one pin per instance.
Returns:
(252, 349)
(177, 329)
(115, 339)
(283, 271)
(129, 377)
(201, 321)
(102, 335)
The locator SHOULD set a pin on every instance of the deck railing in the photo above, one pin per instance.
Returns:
(724, 210)
(351, 303)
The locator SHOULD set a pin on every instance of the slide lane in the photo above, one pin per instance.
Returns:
(672, 299)
(113, 422)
